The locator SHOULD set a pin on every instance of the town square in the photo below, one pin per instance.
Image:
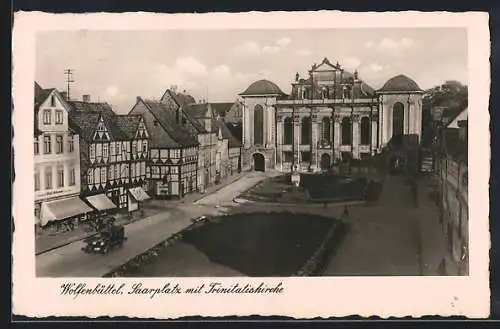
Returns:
(279, 154)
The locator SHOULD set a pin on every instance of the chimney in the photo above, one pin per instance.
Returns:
(64, 95)
(138, 98)
(86, 98)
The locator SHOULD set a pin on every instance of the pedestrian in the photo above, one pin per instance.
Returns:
(346, 212)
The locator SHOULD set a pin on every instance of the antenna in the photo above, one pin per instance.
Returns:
(69, 80)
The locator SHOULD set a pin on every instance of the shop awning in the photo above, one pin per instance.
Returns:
(101, 202)
(61, 209)
(139, 194)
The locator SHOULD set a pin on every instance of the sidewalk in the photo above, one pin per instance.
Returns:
(433, 240)
(142, 235)
(48, 241)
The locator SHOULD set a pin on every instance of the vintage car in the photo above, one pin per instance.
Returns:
(106, 240)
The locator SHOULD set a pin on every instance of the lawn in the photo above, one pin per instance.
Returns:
(314, 188)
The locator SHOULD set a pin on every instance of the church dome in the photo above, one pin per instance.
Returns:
(400, 83)
(262, 87)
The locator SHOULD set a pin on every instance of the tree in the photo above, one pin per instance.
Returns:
(451, 95)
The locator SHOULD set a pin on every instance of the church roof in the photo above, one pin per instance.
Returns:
(400, 83)
(263, 87)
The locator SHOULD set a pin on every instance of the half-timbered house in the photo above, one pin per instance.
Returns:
(171, 169)
(107, 155)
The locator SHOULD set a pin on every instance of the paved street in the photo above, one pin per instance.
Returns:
(142, 235)
(392, 237)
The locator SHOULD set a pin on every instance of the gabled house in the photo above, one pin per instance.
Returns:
(57, 163)
(233, 146)
(171, 169)
(201, 117)
(112, 170)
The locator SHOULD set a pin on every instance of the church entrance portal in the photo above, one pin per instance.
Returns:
(325, 161)
(259, 162)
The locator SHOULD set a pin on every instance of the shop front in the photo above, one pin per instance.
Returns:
(63, 214)
(136, 196)
(103, 206)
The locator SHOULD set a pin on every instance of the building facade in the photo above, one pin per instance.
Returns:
(171, 170)
(330, 116)
(199, 122)
(114, 151)
(57, 163)
(453, 192)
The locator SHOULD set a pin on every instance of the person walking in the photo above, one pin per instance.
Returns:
(346, 212)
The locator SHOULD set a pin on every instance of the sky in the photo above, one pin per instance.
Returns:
(216, 65)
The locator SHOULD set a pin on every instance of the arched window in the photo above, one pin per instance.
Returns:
(398, 119)
(288, 131)
(305, 137)
(346, 131)
(325, 130)
(258, 125)
(365, 131)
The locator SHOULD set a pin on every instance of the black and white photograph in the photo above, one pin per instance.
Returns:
(326, 152)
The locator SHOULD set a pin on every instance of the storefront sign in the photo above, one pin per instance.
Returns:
(52, 193)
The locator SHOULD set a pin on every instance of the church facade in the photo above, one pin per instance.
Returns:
(329, 116)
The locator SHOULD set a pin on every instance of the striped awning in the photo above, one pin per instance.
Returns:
(139, 194)
(62, 209)
(101, 202)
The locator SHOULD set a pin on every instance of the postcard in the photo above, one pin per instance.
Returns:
(299, 164)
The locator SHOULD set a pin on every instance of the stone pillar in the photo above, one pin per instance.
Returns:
(279, 141)
(355, 136)
(296, 138)
(336, 136)
(66, 173)
(54, 176)
(374, 132)
(42, 177)
(315, 139)
(243, 125)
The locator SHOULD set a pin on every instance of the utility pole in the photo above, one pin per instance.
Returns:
(69, 81)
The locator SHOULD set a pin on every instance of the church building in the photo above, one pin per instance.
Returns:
(329, 116)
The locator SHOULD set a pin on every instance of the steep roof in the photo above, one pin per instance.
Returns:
(197, 111)
(128, 123)
(226, 133)
(454, 123)
(84, 123)
(400, 83)
(40, 96)
(222, 108)
(263, 87)
(104, 109)
(178, 135)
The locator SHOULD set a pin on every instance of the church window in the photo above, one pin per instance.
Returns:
(305, 137)
(365, 131)
(398, 116)
(346, 131)
(325, 130)
(258, 125)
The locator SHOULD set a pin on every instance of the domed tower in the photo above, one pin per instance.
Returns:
(259, 125)
(400, 110)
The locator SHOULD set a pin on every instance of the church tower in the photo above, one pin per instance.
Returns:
(400, 110)
(259, 125)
